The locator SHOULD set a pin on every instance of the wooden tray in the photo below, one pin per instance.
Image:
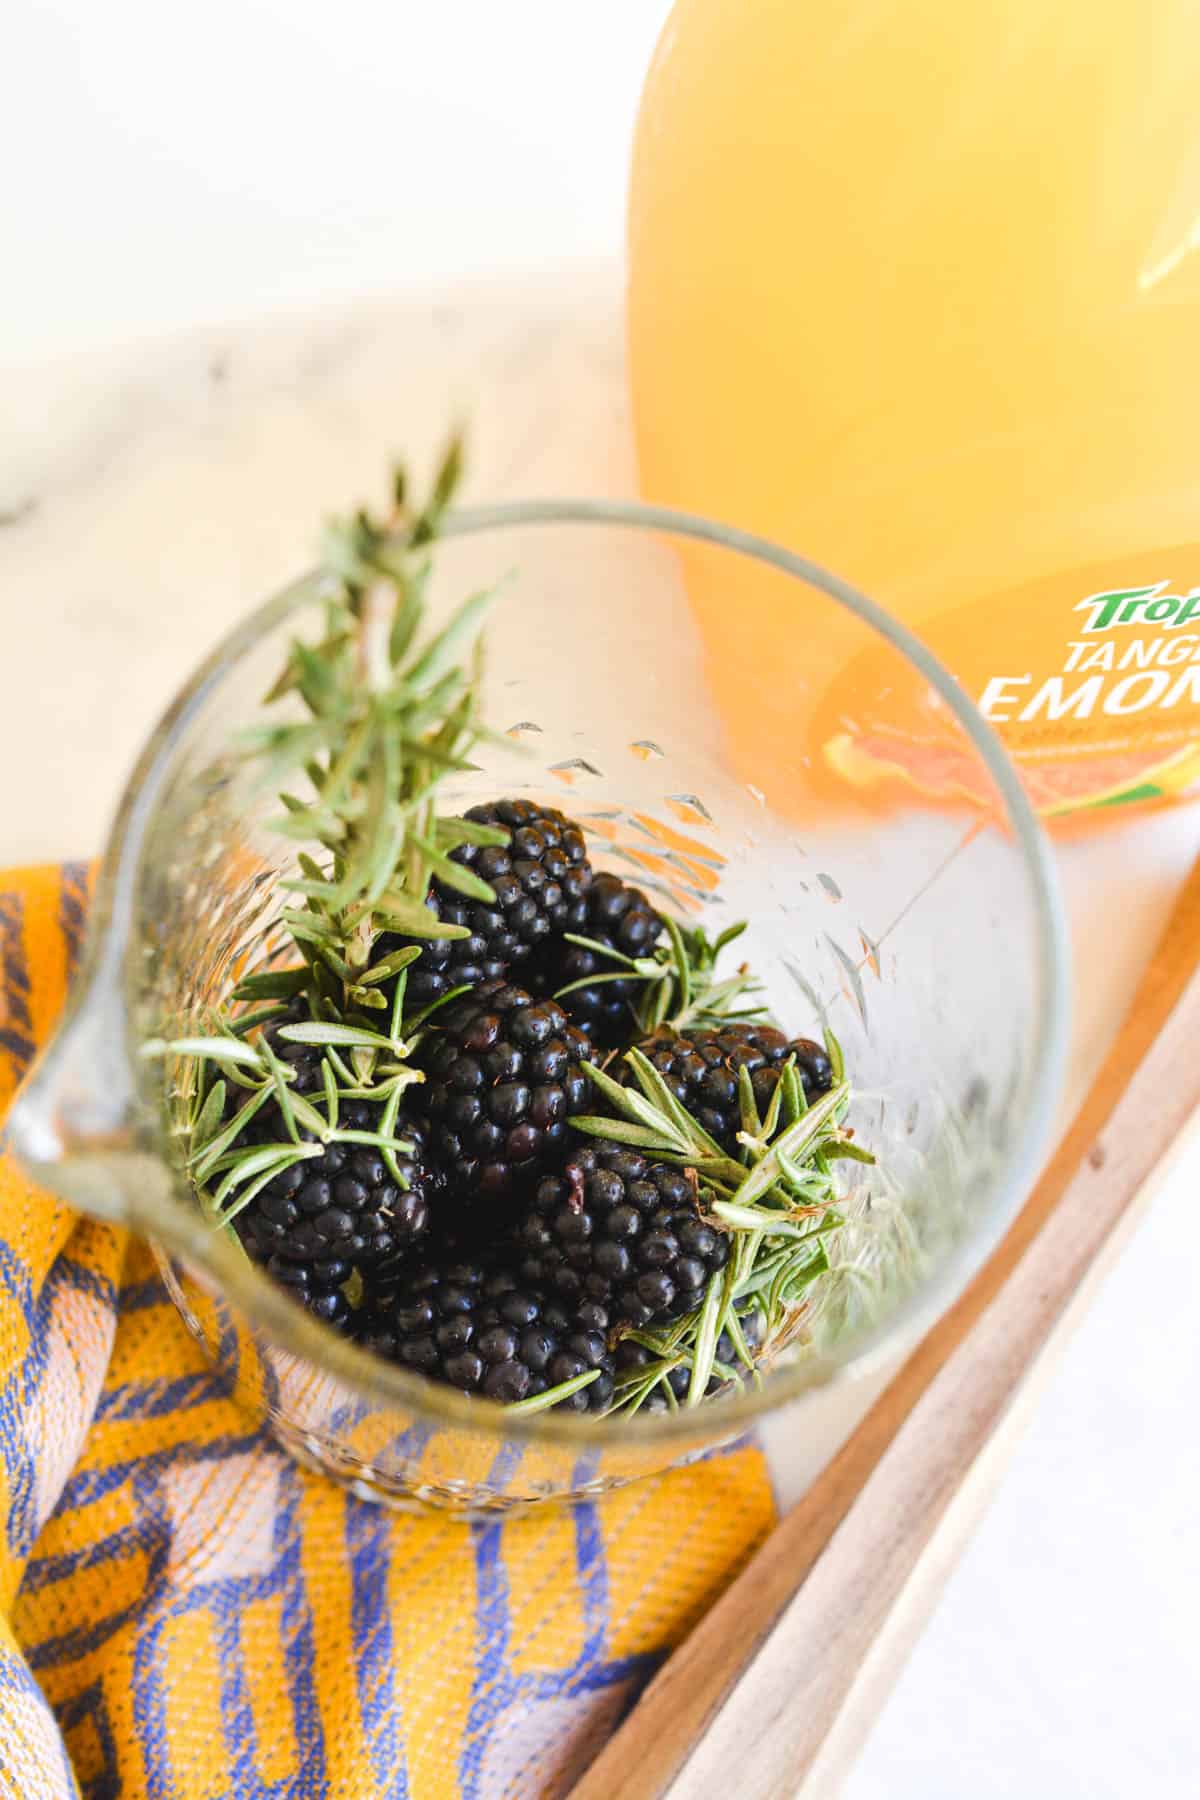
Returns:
(775, 1690)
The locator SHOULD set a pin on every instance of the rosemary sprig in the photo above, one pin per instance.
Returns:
(777, 1206)
(210, 1136)
(678, 981)
(388, 713)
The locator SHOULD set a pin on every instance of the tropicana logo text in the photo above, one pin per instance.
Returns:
(1140, 606)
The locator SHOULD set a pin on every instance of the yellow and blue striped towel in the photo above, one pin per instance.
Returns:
(187, 1615)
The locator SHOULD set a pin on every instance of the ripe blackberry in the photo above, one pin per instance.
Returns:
(620, 917)
(339, 1211)
(623, 1231)
(540, 881)
(701, 1070)
(502, 1078)
(476, 1327)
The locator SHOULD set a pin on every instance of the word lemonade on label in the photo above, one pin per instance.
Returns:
(1146, 669)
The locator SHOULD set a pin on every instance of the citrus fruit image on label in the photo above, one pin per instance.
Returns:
(1091, 679)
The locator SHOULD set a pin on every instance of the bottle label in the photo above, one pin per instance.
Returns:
(1091, 678)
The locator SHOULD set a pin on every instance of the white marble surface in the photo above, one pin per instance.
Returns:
(149, 496)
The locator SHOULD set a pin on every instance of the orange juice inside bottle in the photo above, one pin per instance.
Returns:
(915, 290)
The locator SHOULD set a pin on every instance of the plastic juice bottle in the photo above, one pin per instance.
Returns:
(915, 290)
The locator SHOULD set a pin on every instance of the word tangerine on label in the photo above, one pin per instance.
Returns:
(1137, 653)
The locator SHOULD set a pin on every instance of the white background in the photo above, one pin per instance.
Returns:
(165, 166)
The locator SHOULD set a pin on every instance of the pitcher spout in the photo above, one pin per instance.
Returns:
(77, 1101)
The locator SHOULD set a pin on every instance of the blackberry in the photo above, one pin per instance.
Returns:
(701, 1070)
(540, 880)
(620, 917)
(503, 1076)
(623, 1231)
(321, 1218)
(476, 1327)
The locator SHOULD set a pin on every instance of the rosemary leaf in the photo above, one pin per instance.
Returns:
(309, 825)
(246, 1023)
(733, 1326)
(683, 967)
(447, 478)
(379, 869)
(396, 1021)
(350, 1036)
(439, 656)
(275, 984)
(387, 1130)
(369, 997)
(706, 1340)
(789, 1099)
(230, 1213)
(639, 1109)
(619, 1130)
(327, 892)
(552, 1396)
(281, 1075)
(330, 1085)
(679, 1125)
(660, 1006)
(751, 1123)
(730, 934)
(649, 1372)
(587, 981)
(406, 621)
(308, 927)
(605, 950)
(846, 1150)
(275, 1157)
(455, 875)
(405, 913)
(205, 1158)
(308, 1117)
(345, 767)
(413, 1021)
(329, 958)
(213, 1049)
(389, 965)
(748, 1218)
(208, 1120)
(453, 832)
(315, 680)
(376, 1139)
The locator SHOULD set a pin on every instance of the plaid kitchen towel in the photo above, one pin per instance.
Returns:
(186, 1614)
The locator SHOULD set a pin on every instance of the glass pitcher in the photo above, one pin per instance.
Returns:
(927, 935)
